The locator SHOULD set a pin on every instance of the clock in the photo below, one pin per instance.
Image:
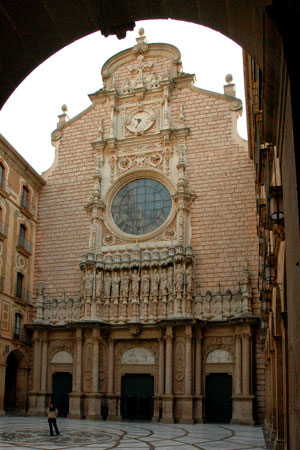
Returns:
(139, 121)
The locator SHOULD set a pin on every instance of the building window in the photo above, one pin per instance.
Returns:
(22, 235)
(24, 197)
(19, 289)
(17, 331)
(141, 206)
(1, 175)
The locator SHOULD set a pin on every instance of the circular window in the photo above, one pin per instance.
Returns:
(141, 206)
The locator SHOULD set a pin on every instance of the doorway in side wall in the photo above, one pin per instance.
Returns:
(218, 393)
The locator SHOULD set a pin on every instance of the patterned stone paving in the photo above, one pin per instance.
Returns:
(26, 433)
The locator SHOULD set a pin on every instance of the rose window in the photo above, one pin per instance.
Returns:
(141, 206)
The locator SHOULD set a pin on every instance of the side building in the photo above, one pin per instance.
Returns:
(147, 254)
(19, 188)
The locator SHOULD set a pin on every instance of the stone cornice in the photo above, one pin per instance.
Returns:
(10, 154)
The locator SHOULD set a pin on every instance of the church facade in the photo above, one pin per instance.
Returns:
(146, 254)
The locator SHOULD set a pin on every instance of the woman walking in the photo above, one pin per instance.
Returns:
(52, 414)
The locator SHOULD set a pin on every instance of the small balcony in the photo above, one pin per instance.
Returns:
(3, 189)
(27, 207)
(22, 336)
(24, 246)
(3, 230)
(22, 294)
(1, 283)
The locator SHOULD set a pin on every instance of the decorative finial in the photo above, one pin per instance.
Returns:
(141, 32)
(229, 88)
(64, 108)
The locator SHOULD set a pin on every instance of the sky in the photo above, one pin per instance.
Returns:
(30, 114)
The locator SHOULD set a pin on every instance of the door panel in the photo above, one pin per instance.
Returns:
(137, 397)
(62, 386)
(218, 398)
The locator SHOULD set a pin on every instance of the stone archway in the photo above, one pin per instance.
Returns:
(243, 22)
(15, 396)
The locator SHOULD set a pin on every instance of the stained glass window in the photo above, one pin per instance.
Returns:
(141, 206)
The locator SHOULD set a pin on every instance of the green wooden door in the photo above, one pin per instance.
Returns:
(62, 386)
(218, 393)
(137, 397)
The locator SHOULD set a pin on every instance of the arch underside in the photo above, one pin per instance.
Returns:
(32, 34)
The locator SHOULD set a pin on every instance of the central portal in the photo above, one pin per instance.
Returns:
(62, 386)
(137, 397)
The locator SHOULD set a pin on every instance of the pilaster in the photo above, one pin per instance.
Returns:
(168, 398)
(75, 397)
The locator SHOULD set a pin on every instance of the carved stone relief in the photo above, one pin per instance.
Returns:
(142, 352)
(224, 343)
(62, 357)
(138, 355)
(218, 356)
(179, 361)
(102, 367)
(88, 367)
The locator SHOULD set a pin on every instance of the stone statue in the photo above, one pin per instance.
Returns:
(135, 283)
(89, 278)
(107, 284)
(99, 283)
(179, 278)
(189, 280)
(145, 283)
(115, 284)
(163, 282)
(170, 280)
(125, 279)
(82, 285)
(206, 305)
(155, 283)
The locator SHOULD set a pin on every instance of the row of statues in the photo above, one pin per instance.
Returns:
(142, 295)
(137, 283)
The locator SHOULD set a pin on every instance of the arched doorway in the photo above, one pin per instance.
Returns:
(218, 392)
(15, 383)
(61, 387)
(137, 397)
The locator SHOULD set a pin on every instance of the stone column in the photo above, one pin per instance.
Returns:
(76, 396)
(36, 361)
(167, 413)
(246, 364)
(198, 399)
(112, 399)
(94, 399)
(273, 394)
(33, 409)
(238, 365)
(169, 362)
(187, 401)
(279, 439)
(161, 367)
(2, 387)
(43, 396)
(242, 400)
(161, 381)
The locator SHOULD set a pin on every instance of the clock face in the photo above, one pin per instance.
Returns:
(139, 122)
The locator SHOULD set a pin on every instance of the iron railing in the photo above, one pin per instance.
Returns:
(3, 228)
(22, 294)
(25, 244)
(28, 206)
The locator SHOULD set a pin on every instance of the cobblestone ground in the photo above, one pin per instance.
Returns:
(22, 433)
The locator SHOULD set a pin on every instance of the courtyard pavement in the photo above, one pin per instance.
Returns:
(25, 433)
